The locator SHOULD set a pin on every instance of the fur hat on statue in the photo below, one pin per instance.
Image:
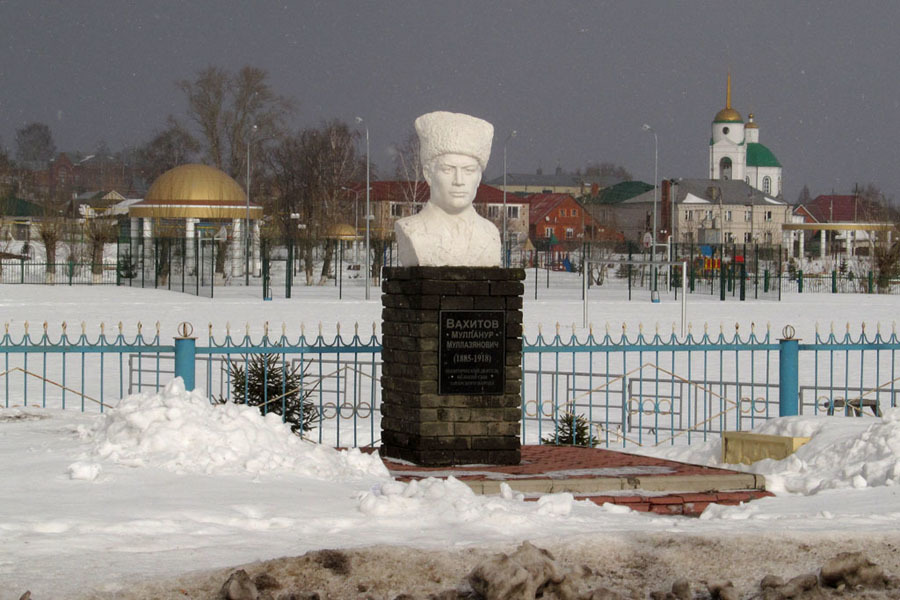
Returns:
(454, 133)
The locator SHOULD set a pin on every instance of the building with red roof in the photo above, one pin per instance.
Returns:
(842, 224)
(560, 217)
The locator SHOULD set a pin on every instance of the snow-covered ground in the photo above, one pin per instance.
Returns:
(167, 484)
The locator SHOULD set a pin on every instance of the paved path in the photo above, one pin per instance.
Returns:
(639, 482)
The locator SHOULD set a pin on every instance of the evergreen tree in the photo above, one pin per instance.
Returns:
(273, 388)
(572, 430)
(804, 196)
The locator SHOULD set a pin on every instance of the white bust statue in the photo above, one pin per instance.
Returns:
(454, 150)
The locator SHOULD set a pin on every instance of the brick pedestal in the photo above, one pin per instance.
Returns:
(452, 400)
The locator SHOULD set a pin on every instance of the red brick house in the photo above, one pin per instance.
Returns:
(559, 217)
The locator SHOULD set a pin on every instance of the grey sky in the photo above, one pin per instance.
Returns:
(576, 79)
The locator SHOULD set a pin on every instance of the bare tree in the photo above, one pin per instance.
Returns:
(50, 233)
(34, 143)
(225, 108)
(607, 169)
(169, 148)
(309, 172)
(408, 168)
(99, 232)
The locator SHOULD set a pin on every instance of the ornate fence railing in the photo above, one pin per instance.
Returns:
(624, 388)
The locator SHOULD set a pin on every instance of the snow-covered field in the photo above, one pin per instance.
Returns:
(166, 484)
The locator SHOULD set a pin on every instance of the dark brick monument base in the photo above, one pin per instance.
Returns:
(452, 376)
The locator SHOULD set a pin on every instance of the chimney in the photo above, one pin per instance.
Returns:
(595, 189)
(665, 200)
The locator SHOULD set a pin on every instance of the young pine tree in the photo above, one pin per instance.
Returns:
(273, 387)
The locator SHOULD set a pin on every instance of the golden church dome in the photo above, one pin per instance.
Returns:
(728, 115)
(194, 191)
(751, 124)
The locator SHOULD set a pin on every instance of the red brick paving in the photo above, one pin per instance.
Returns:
(540, 460)
(686, 504)
(543, 461)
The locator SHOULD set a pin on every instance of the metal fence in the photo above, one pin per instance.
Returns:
(628, 388)
(67, 273)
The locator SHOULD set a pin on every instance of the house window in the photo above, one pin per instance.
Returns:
(548, 232)
(729, 237)
(727, 215)
(570, 233)
(709, 214)
(688, 215)
(493, 211)
(512, 212)
(768, 237)
(748, 215)
(747, 239)
(562, 212)
(396, 209)
(747, 180)
(573, 212)
(767, 185)
(768, 215)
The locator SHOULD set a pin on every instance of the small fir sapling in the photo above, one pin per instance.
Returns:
(572, 430)
(273, 387)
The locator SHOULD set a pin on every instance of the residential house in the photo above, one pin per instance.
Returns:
(841, 225)
(706, 211)
(560, 218)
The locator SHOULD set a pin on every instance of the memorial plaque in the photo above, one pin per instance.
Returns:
(472, 352)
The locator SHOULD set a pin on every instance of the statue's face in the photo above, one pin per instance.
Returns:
(454, 180)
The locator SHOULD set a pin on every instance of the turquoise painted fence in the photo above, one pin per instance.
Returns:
(629, 388)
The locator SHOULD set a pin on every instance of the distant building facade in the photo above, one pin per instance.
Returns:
(558, 182)
(558, 217)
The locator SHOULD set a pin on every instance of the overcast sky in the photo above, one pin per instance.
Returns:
(575, 79)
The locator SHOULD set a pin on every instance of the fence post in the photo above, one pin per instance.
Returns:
(723, 278)
(871, 282)
(185, 354)
(833, 281)
(788, 374)
(800, 282)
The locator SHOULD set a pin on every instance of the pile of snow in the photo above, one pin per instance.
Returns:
(843, 453)
(866, 453)
(183, 432)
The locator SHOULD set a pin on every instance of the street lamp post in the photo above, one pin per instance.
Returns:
(646, 127)
(368, 260)
(250, 141)
(511, 135)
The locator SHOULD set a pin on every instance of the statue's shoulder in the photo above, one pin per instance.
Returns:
(487, 227)
(409, 224)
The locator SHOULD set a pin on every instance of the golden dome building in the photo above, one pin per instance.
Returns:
(198, 201)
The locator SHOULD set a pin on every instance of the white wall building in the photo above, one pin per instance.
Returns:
(736, 154)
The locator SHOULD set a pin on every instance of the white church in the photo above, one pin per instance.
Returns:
(735, 152)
